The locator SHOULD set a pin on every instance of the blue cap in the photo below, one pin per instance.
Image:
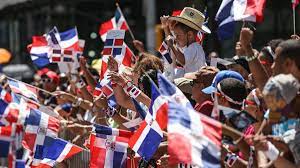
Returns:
(219, 77)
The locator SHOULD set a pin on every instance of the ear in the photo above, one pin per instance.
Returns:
(191, 35)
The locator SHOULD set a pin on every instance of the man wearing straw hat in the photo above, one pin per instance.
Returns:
(189, 22)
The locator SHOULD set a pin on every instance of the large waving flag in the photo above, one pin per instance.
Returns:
(52, 151)
(148, 136)
(23, 89)
(192, 138)
(237, 10)
(39, 126)
(118, 22)
(40, 51)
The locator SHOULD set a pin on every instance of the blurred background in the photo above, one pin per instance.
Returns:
(21, 19)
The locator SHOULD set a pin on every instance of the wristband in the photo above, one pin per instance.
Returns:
(80, 84)
(230, 159)
(132, 90)
(272, 153)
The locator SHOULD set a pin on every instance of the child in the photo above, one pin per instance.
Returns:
(189, 22)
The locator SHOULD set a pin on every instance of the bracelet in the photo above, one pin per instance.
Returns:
(230, 159)
(272, 153)
(132, 90)
(78, 102)
(253, 57)
(80, 84)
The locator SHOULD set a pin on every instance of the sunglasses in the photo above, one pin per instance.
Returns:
(46, 80)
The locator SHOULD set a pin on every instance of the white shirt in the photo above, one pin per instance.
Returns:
(194, 57)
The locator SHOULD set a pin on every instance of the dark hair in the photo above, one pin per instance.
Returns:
(185, 28)
(267, 54)
(274, 44)
(147, 62)
(290, 49)
(234, 89)
(146, 82)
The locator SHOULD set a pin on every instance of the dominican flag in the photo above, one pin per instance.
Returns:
(192, 138)
(53, 150)
(118, 22)
(62, 55)
(23, 89)
(39, 126)
(105, 130)
(164, 51)
(237, 10)
(39, 51)
(113, 44)
(145, 141)
(108, 151)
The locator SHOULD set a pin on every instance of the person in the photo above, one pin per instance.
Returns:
(202, 79)
(189, 22)
(287, 58)
(279, 94)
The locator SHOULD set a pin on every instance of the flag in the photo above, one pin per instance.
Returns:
(53, 37)
(39, 126)
(118, 22)
(4, 95)
(164, 51)
(145, 141)
(23, 89)
(192, 138)
(62, 55)
(237, 10)
(69, 39)
(39, 51)
(295, 3)
(105, 130)
(10, 113)
(52, 151)
(108, 151)
(113, 44)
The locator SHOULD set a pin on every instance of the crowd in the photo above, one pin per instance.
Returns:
(254, 93)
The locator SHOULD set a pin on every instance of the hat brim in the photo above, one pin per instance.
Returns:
(187, 22)
(209, 90)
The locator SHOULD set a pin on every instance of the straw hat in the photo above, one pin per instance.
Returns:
(192, 18)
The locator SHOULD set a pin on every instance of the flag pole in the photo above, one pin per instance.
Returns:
(119, 9)
(30, 85)
(294, 20)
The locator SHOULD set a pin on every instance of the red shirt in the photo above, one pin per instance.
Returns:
(205, 108)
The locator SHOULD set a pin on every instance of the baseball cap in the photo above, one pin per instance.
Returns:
(285, 87)
(219, 77)
(52, 75)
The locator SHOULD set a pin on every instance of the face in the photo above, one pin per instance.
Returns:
(265, 62)
(180, 37)
(197, 94)
(48, 84)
